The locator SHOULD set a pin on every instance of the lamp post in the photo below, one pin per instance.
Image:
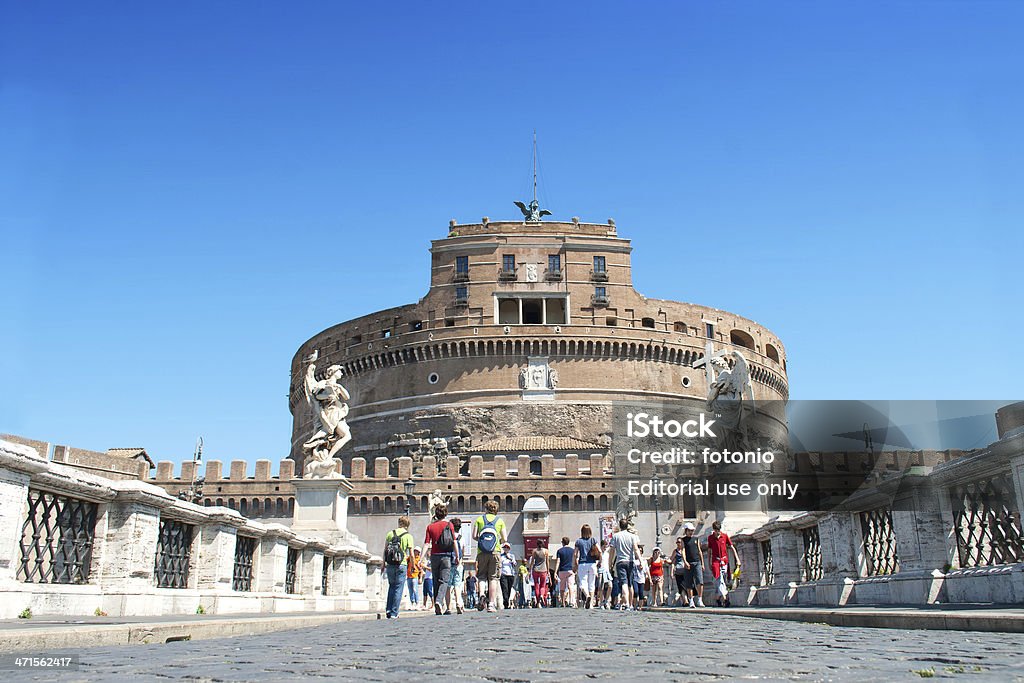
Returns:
(194, 494)
(657, 523)
(409, 486)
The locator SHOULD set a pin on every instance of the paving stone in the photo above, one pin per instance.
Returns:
(564, 645)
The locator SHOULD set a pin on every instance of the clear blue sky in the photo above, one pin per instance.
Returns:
(848, 174)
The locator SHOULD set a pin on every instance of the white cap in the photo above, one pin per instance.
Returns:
(689, 527)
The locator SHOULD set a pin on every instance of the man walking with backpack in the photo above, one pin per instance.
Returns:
(397, 545)
(489, 533)
(440, 545)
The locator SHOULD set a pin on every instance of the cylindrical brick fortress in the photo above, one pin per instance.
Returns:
(527, 330)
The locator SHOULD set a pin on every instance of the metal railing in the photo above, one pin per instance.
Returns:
(290, 570)
(57, 539)
(879, 542)
(767, 565)
(599, 275)
(173, 554)
(241, 578)
(986, 522)
(812, 554)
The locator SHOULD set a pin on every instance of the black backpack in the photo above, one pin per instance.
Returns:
(446, 541)
(393, 550)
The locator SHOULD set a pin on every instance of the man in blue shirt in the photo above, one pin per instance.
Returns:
(566, 576)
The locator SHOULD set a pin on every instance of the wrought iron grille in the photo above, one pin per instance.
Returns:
(245, 548)
(812, 554)
(289, 570)
(769, 566)
(879, 542)
(325, 575)
(57, 539)
(173, 554)
(987, 523)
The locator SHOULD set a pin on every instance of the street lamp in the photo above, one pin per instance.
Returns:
(409, 486)
(657, 523)
(194, 494)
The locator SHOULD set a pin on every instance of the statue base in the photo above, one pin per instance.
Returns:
(321, 508)
(734, 522)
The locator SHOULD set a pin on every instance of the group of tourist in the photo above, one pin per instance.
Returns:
(589, 574)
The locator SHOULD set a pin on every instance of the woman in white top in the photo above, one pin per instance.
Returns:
(604, 592)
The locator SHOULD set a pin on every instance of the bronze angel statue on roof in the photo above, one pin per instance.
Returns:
(532, 213)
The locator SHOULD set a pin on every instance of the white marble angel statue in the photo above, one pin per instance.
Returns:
(436, 498)
(726, 394)
(327, 401)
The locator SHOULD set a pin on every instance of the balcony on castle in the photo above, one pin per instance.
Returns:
(597, 300)
(461, 276)
(553, 275)
(507, 275)
(599, 275)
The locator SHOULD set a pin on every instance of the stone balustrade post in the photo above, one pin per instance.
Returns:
(787, 553)
(126, 559)
(1017, 475)
(840, 540)
(310, 569)
(272, 565)
(921, 527)
(216, 562)
(13, 510)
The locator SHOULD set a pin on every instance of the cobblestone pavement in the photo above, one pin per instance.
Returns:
(564, 645)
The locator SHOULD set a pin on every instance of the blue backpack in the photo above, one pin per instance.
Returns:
(487, 539)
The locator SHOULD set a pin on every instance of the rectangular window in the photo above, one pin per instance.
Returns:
(554, 311)
(554, 263)
(449, 322)
(710, 330)
(461, 293)
(600, 292)
(508, 263)
(461, 264)
(385, 333)
(508, 311)
(599, 264)
(416, 326)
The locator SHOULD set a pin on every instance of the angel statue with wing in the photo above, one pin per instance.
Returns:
(327, 401)
(532, 213)
(726, 394)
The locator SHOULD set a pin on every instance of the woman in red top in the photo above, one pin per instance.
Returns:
(657, 565)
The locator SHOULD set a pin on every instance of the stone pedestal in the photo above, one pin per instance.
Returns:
(321, 509)
(736, 521)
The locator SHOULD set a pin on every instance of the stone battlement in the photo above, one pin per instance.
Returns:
(500, 467)
(238, 471)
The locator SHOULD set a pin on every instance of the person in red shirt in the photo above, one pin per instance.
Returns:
(718, 546)
(656, 567)
(440, 547)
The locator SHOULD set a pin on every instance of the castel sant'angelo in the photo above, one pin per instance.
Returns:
(500, 381)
